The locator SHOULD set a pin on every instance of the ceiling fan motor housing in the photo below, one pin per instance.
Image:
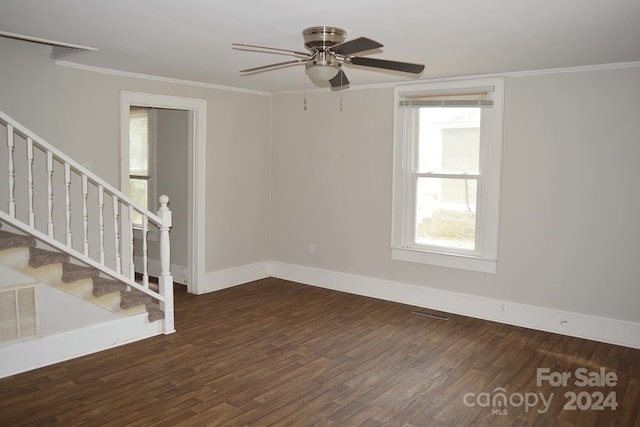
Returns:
(322, 38)
(319, 40)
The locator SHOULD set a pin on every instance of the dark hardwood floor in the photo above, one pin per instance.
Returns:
(278, 353)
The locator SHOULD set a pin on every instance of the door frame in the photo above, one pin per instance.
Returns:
(197, 109)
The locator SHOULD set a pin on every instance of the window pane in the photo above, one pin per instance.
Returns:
(449, 140)
(446, 212)
(138, 191)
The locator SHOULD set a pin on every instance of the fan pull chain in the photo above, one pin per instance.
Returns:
(305, 92)
(341, 89)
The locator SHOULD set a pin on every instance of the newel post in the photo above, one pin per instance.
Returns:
(166, 279)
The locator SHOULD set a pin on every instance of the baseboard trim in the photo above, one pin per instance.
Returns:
(23, 356)
(234, 276)
(613, 331)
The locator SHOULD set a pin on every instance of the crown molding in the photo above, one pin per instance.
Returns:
(151, 77)
(511, 74)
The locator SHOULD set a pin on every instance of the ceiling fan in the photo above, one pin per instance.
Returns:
(328, 52)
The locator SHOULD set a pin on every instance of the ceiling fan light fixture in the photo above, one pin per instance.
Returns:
(322, 73)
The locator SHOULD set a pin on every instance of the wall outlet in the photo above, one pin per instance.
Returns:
(312, 248)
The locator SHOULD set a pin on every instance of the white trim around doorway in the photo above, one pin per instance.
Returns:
(196, 178)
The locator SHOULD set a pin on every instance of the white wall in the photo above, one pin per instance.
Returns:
(569, 232)
(79, 112)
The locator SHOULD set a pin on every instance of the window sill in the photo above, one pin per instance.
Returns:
(445, 260)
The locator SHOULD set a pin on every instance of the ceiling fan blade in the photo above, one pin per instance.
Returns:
(340, 80)
(241, 46)
(387, 65)
(356, 45)
(276, 65)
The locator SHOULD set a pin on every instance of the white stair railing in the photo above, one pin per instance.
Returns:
(54, 198)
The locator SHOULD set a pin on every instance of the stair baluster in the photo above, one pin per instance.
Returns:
(67, 189)
(101, 222)
(12, 172)
(116, 232)
(85, 215)
(50, 193)
(32, 212)
(132, 267)
(145, 233)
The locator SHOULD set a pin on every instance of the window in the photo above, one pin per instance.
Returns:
(141, 159)
(447, 161)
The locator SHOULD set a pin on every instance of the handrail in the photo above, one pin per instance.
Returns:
(116, 258)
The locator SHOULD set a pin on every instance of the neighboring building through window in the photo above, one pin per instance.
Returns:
(141, 158)
(447, 161)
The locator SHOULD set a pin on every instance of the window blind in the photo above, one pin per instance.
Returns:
(139, 147)
(481, 97)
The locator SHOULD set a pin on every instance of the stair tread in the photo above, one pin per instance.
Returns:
(40, 257)
(73, 272)
(103, 286)
(130, 299)
(155, 314)
(12, 240)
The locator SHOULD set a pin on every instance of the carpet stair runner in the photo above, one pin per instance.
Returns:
(71, 273)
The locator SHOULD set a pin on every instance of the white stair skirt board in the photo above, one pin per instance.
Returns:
(579, 325)
(27, 355)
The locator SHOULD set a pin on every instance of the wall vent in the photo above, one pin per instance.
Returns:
(18, 313)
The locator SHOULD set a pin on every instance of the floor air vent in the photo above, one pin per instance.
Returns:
(18, 314)
(434, 315)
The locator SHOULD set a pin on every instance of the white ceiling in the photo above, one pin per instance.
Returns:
(191, 39)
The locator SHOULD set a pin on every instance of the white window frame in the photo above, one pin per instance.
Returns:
(403, 248)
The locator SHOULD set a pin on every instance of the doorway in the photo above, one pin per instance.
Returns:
(193, 110)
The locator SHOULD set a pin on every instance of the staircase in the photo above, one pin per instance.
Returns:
(19, 252)
(66, 227)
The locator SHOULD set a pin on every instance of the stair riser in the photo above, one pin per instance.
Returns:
(48, 273)
(16, 258)
(82, 288)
